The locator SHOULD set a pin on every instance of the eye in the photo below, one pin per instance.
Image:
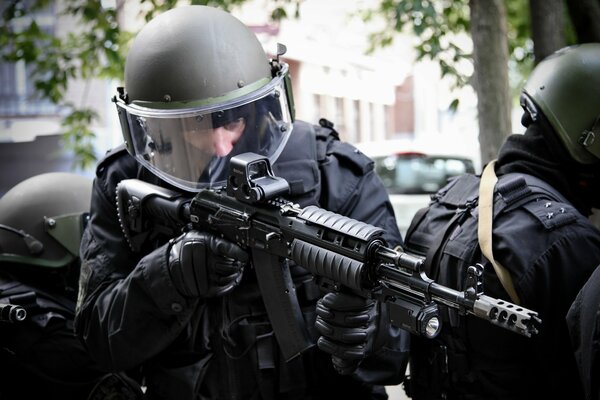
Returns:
(236, 124)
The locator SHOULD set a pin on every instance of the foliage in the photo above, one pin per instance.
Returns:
(96, 50)
(433, 23)
(278, 9)
(79, 138)
(438, 24)
(520, 45)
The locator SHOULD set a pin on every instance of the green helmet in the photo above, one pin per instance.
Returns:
(192, 71)
(42, 219)
(565, 87)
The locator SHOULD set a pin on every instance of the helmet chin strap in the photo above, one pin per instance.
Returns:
(531, 110)
(34, 246)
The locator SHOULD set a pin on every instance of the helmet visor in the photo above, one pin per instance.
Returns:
(191, 148)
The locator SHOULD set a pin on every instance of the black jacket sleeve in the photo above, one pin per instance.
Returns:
(583, 321)
(553, 261)
(124, 299)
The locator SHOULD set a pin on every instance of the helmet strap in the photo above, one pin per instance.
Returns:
(529, 107)
(34, 246)
(588, 136)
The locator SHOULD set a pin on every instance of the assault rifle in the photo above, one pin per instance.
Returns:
(343, 253)
(12, 313)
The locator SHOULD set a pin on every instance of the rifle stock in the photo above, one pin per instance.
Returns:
(339, 251)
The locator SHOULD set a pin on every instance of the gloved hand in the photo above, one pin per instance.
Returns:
(348, 325)
(204, 265)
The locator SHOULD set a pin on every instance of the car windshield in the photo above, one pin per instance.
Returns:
(417, 173)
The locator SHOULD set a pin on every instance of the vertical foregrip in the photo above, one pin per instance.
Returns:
(325, 263)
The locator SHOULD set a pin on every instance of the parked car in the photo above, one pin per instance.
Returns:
(412, 177)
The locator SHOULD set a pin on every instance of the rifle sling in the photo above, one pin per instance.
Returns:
(484, 228)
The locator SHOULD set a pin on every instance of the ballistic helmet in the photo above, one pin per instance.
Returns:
(193, 73)
(565, 87)
(42, 220)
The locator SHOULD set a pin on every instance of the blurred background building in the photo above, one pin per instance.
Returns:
(384, 101)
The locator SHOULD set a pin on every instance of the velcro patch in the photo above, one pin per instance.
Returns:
(552, 214)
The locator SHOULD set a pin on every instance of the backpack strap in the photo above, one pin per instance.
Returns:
(457, 195)
(484, 228)
(434, 253)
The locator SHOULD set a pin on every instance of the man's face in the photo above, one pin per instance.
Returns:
(220, 140)
(191, 148)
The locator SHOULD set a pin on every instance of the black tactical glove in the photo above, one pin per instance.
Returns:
(348, 325)
(204, 265)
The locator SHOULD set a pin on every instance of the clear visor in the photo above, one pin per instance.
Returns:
(191, 148)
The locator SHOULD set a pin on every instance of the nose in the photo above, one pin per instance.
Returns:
(222, 141)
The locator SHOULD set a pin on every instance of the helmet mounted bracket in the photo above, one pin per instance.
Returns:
(276, 69)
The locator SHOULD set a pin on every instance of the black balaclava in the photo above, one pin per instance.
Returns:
(540, 153)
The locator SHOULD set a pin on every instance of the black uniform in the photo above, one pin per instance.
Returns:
(549, 247)
(583, 321)
(41, 357)
(223, 347)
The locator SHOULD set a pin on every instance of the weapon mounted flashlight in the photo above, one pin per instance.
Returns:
(417, 318)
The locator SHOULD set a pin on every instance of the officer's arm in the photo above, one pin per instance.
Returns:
(360, 194)
(128, 308)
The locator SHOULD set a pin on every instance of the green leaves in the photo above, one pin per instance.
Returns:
(78, 136)
(440, 27)
(97, 49)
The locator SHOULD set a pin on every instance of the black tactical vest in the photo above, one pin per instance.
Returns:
(446, 233)
(231, 350)
(250, 362)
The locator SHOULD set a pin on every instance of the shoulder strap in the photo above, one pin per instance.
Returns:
(458, 195)
(518, 186)
(112, 153)
(484, 228)
(325, 134)
(295, 161)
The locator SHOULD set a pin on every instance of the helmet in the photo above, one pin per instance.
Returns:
(565, 87)
(200, 89)
(42, 219)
